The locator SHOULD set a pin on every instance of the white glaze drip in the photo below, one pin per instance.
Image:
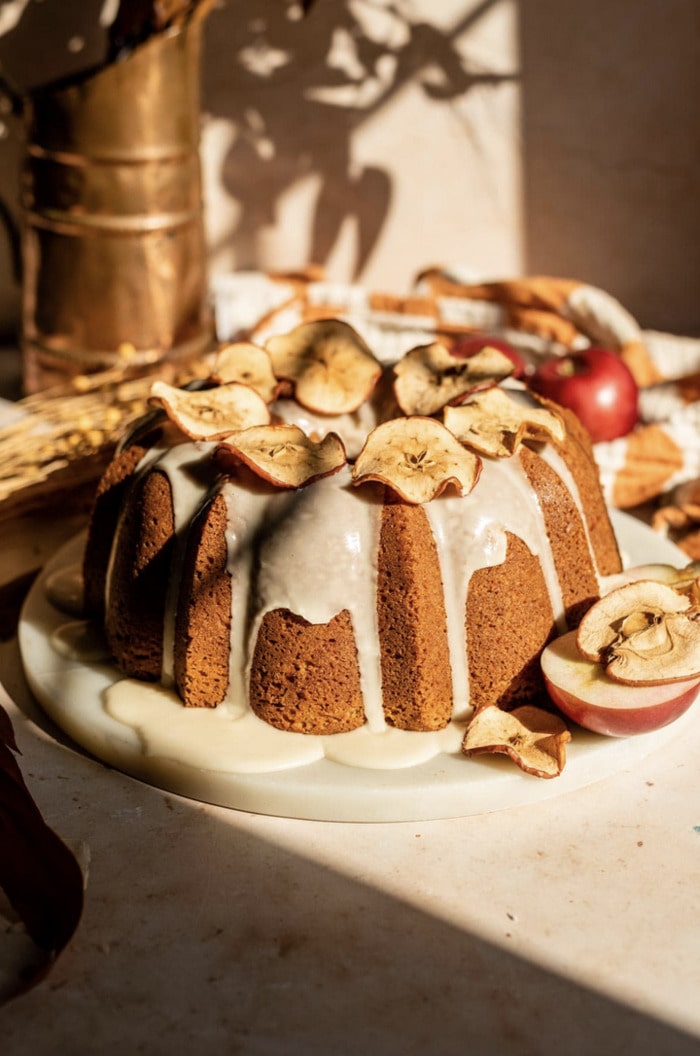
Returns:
(81, 641)
(557, 463)
(554, 460)
(538, 542)
(149, 459)
(182, 466)
(64, 589)
(470, 532)
(246, 513)
(316, 558)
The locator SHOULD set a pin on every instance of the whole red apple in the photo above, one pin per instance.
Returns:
(469, 346)
(583, 692)
(596, 385)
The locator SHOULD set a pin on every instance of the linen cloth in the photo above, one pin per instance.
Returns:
(658, 463)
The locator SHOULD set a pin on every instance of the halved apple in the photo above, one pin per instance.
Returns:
(582, 691)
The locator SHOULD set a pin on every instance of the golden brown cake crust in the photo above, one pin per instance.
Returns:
(508, 621)
(577, 453)
(415, 659)
(109, 499)
(203, 623)
(140, 576)
(567, 537)
(305, 677)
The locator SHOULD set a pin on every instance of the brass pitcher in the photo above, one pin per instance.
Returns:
(113, 242)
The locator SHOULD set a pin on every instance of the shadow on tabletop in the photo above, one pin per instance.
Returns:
(197, 932)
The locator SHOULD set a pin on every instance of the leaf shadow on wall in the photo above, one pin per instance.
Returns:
(296, 91)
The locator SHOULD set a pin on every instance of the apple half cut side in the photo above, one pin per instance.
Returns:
(583, 692)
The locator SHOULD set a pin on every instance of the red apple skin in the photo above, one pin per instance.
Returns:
(583, 692)
(597, 386)
(469, 346)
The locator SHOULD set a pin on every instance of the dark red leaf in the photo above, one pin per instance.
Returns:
(38, 873)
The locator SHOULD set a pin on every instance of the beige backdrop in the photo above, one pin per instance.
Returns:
(497, 137)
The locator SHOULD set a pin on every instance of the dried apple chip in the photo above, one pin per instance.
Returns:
(533, 738)
(665, 650)
(493, 423)
(331, 367)
(644, 633)
(248, 364)
(429, 377)
(211, 414)
(688, 582)
(283, 454)
(624, 611)
(417, 458)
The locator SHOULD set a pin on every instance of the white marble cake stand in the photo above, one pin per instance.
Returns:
(446, 786)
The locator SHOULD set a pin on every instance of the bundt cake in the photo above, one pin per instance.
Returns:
(332, 542)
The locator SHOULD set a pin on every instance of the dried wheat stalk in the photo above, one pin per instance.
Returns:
(64, 438)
